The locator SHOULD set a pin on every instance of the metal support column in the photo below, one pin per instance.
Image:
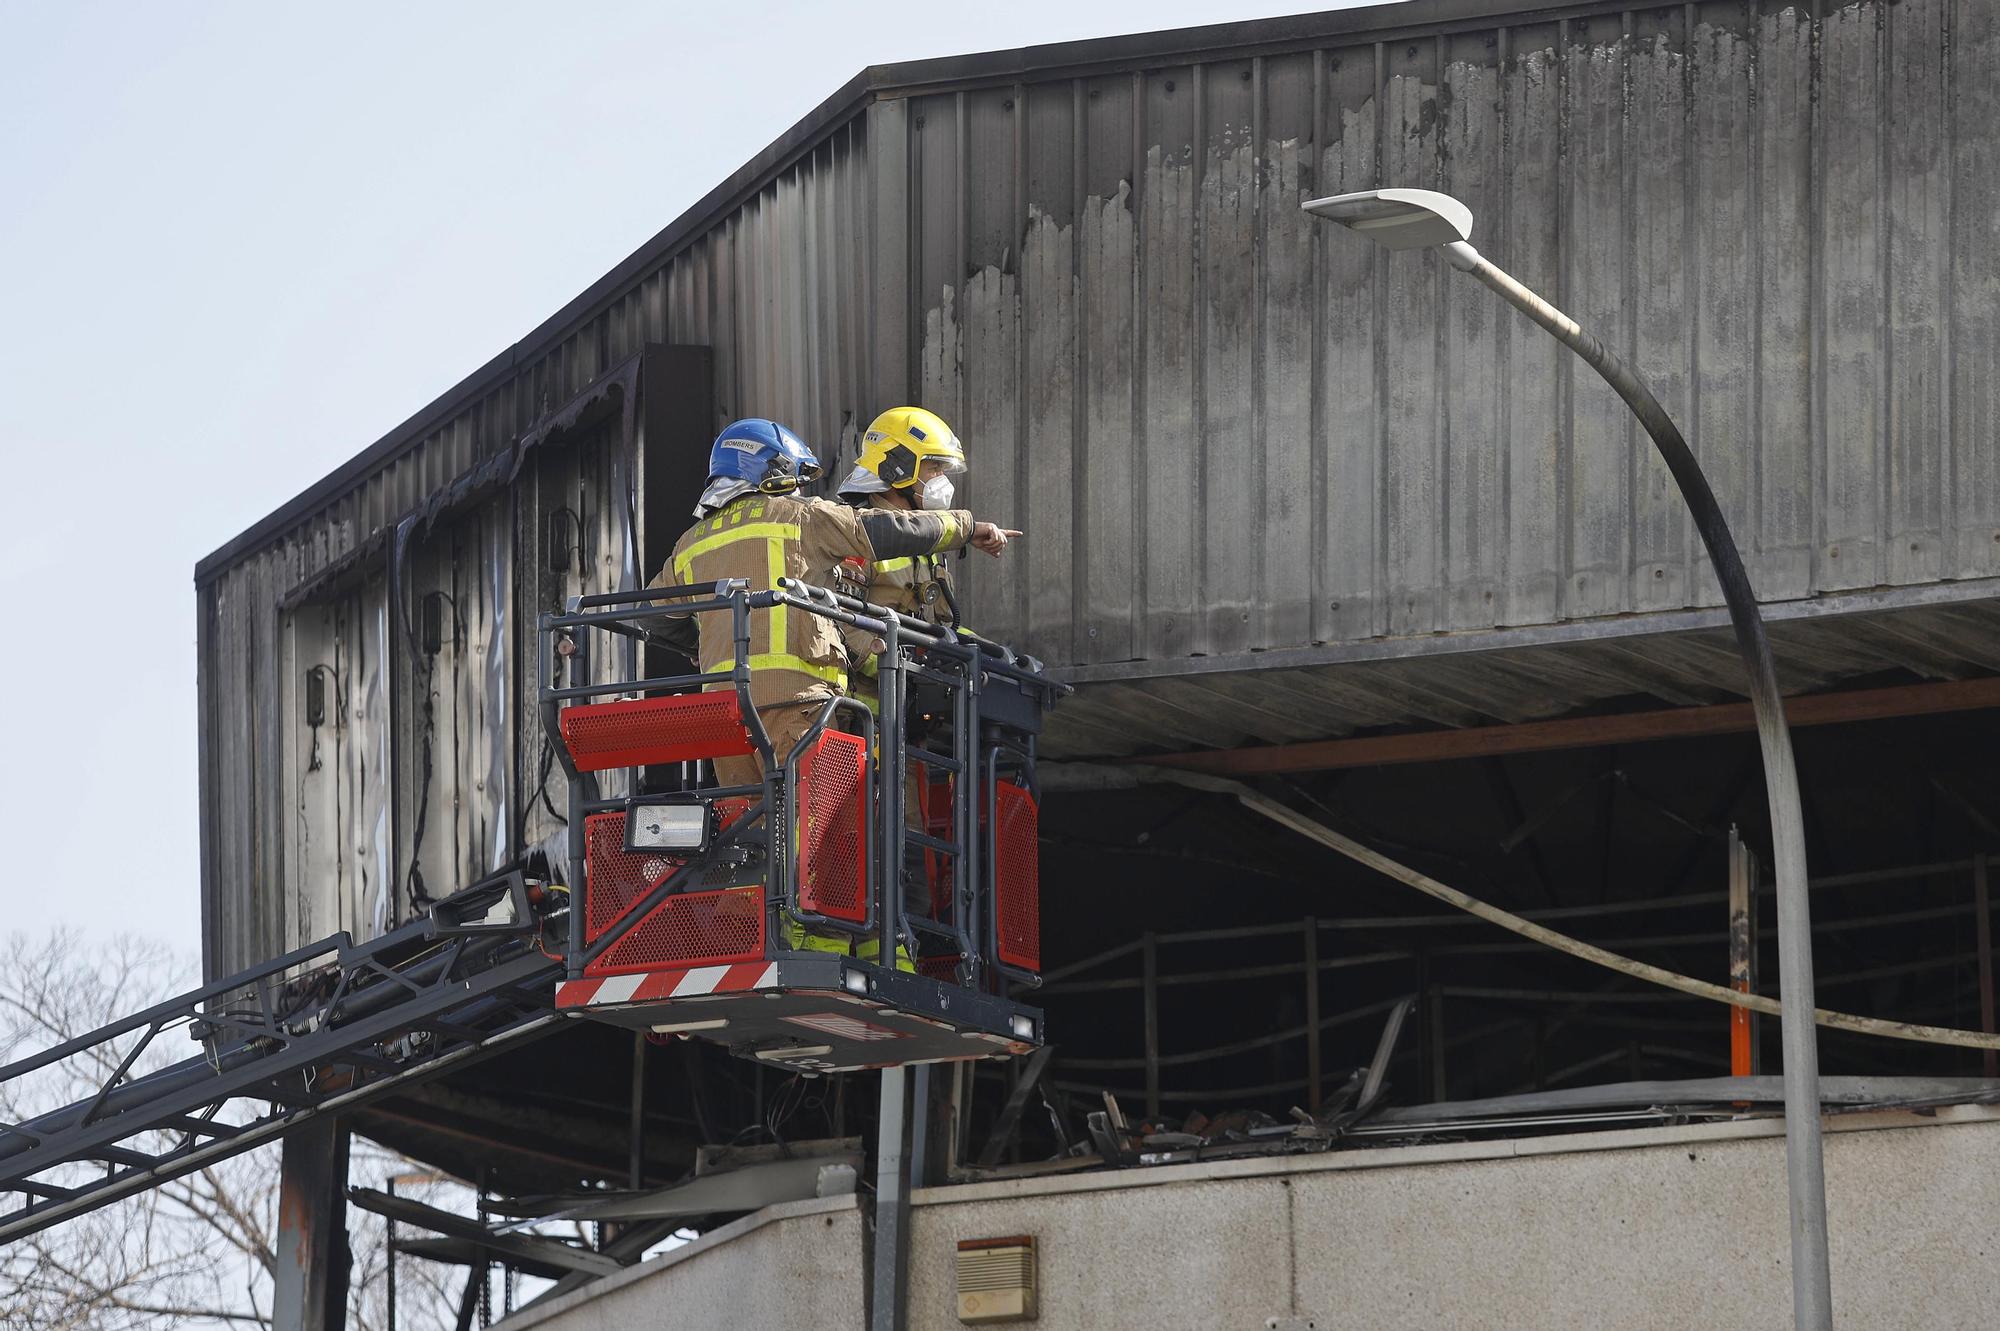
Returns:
(636, 1132)
(1983, 927)
(310, 1282)
(1435, 1005)
(957, 1120)
(389, 1260)
(1312, 1015)
(1428, 1056)
(1152, 995)
(889, 1287)
(922, 1120)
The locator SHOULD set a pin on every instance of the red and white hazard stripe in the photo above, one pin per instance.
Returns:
(657, 986)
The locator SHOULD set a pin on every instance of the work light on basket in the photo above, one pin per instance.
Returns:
(671, 825)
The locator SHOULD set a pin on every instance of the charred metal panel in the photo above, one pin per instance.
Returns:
(590, 483)
(454, 821)
(335, 724)
(290, 850)
(1777, 217)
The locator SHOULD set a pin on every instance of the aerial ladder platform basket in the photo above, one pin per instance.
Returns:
(810, 920)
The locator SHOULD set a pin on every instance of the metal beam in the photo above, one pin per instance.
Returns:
(1017, 1100)
(889, 1287)
(542, 1256)
(1584, 731)
(310, 1280)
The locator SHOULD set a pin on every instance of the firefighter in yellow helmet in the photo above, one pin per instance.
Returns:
(908, 457)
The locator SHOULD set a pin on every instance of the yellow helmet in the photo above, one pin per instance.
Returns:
(901, 438)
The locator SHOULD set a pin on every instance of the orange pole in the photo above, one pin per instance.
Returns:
(1742, 955)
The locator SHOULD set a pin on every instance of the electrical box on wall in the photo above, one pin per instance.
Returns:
(996, 1280)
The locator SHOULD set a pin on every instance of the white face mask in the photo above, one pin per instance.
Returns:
(936, 493)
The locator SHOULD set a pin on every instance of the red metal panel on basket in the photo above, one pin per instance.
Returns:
(833, 843)
(1017, 890)
(615, 878)
(691, 929)
(670, 729)
(943, 968)
(618, 877)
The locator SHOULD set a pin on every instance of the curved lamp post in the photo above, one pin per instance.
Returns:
(1402, 219)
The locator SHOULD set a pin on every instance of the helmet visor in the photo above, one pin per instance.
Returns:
(950, 451)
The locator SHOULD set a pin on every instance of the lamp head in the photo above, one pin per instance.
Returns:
(1398, 219)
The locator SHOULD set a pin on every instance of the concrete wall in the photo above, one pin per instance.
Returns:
(1649, 1228)
(795, 1265)
(1656, 1227)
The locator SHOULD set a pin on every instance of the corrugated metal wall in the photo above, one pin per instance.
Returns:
(1226, 427)
(292, 851)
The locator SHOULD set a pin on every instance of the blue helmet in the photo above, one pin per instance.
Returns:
(763, 453)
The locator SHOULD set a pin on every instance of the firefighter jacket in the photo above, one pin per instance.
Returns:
(761, 538)
(919, 586)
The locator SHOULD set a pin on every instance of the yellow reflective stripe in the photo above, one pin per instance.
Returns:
(862, 947)
(894, 565)
(954, 535)
(771, 531)
(775, 536)
(778, 661)
(774, 569)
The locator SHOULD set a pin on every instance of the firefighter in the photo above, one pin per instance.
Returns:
(754, 525)
(908, 457)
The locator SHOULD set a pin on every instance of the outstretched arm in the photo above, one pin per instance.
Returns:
(913, 532)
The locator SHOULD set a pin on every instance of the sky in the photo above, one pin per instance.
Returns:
(241, 242)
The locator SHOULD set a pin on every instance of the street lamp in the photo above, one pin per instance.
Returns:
(1402, 219)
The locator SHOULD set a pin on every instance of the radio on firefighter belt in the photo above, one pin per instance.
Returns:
(927, 705)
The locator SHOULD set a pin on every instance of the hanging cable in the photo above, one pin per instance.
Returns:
(1082, 776)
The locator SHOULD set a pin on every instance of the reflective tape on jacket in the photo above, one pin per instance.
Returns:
(833, 675)
(775, 536)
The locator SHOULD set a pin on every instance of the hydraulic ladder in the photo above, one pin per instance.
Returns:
(317, 1030)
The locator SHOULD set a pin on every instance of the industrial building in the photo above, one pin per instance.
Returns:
(1300, 512)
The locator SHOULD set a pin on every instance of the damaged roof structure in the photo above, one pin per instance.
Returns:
(1298, 513)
